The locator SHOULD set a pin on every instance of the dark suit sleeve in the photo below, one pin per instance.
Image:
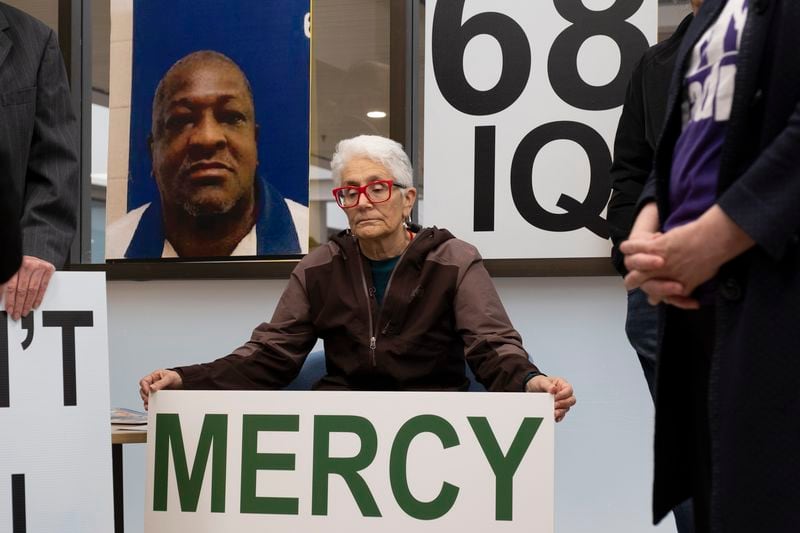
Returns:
(52, 182)
(764, 200)
(10, 242)
(633, 161)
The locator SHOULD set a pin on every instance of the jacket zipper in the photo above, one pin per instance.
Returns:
(373, 339)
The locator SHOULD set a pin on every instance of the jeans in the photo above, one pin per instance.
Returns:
(641, 326)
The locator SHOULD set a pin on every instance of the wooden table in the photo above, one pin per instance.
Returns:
(118, 438)
(126, 436)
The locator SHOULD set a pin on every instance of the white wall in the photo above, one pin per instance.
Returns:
(99, 145)
(572, 326)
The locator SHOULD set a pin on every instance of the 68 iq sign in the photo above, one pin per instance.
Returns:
(522, 102)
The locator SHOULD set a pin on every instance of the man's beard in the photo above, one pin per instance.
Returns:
(209, 208)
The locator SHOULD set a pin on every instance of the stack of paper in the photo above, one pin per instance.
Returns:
(128, 419)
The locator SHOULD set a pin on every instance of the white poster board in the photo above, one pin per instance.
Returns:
(522, 100)
(55, 455)
(288, 461)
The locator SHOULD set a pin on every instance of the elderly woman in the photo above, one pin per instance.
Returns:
(398, 307)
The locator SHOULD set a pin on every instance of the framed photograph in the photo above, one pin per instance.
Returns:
(209, 129)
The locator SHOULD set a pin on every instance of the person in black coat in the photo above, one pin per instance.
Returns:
(634, 146)
(728, 277)
(38, 153)
(637, 134)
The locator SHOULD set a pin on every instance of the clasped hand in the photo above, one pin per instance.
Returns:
(669, 266)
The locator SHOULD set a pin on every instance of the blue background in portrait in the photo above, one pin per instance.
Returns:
(267, 40)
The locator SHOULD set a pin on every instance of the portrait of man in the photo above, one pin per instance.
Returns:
(204, 154)
(203, 181)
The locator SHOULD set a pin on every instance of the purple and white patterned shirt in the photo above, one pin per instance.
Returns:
(707, 98)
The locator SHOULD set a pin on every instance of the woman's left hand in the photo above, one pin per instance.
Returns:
(559, 388)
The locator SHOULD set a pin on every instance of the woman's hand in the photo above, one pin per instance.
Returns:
(158, 380)
(558, 387)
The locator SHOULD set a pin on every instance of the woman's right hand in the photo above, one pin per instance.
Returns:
(158, 380)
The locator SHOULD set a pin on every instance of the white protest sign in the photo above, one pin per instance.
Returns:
(288, 461)
(55, 455)
(522, 100)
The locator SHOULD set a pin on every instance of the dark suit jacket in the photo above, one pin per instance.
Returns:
(754, 397)
(38, 136)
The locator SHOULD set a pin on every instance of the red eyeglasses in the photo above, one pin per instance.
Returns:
(376, 192)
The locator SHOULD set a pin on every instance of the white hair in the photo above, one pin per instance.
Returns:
(379, 149)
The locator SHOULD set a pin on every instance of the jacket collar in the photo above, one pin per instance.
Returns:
(275, 230)
(749, 65)
(425, 240)
(680, 31)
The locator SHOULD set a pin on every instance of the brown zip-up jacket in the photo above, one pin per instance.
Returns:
(440, 308)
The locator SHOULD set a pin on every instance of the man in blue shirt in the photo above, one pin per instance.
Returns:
(212, 202)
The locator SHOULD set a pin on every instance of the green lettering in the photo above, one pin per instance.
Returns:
(214, 433)
(504, 467)
(252, 462)
(398, 474)
(346, 467)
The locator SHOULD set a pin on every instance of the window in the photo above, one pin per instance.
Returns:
(360, 84)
